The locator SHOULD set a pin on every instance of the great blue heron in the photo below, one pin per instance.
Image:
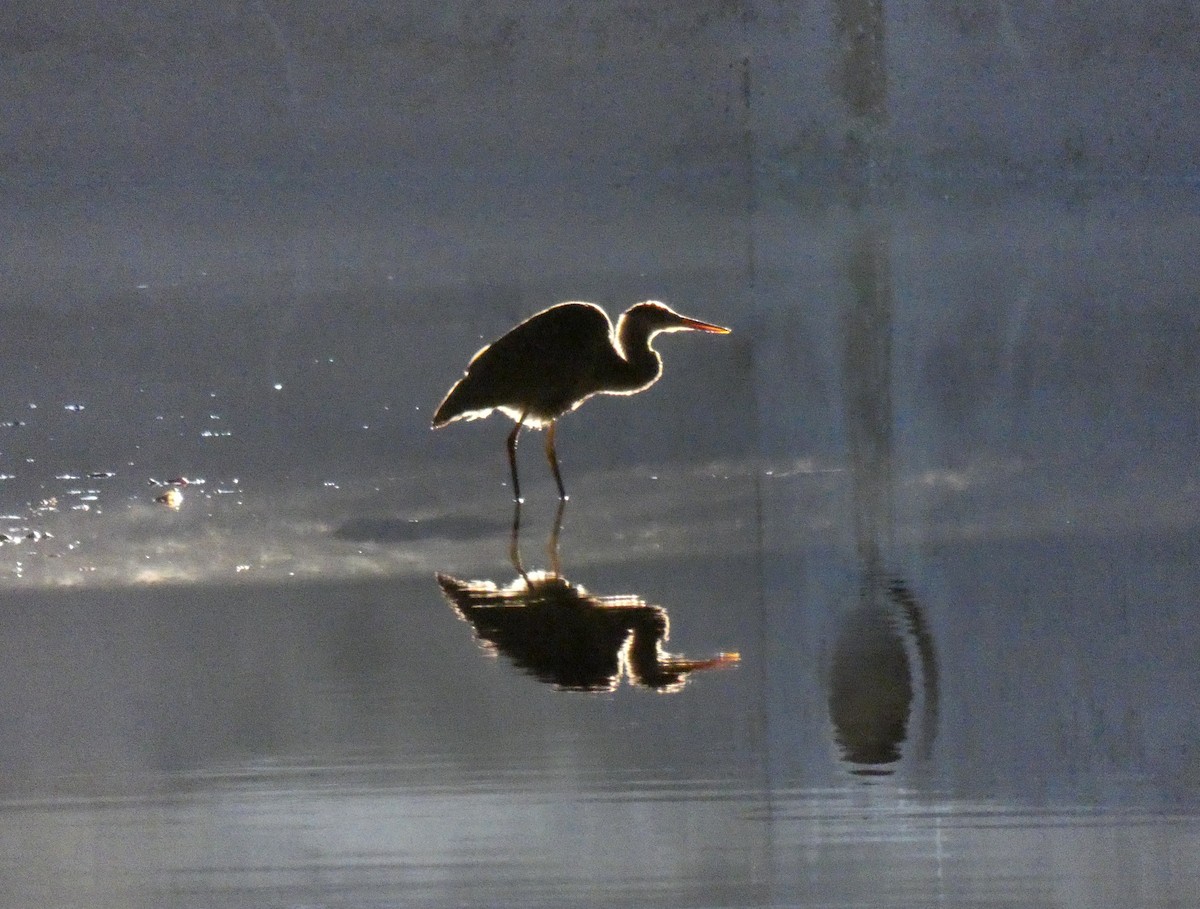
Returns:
(554, 361)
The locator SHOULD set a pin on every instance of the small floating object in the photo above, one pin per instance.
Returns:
(172, 498)
(176, 481)
(11, 424)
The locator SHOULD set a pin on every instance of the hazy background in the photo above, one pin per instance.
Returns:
(938, 488)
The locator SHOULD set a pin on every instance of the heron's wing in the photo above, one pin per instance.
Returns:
(545, 365)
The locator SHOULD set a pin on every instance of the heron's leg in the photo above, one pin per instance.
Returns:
(514, 541)
(512, 459)
(552, 457)
(552, 543)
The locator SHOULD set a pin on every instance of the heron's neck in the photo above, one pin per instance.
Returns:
(642, 364)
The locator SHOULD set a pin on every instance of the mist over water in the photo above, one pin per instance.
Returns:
(887, 598)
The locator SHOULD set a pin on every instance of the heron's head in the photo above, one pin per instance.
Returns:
(651, 317)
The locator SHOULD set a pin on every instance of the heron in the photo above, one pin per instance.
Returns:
(555, 360)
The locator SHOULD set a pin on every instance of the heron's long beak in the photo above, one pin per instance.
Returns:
(697, 325)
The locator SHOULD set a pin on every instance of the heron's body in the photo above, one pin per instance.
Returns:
(555, 360)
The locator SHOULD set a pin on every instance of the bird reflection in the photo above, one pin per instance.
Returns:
(562, 635)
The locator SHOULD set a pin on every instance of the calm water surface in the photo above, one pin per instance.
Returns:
(878, 603)
(993, 720)
(888, 598)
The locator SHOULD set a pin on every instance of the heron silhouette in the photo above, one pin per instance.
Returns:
(574, 640)
(554, 361)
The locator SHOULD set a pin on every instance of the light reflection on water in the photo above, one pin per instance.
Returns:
(969, 683)
(307, 842)
(345, 742)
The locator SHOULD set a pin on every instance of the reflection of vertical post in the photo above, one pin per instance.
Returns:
(866, 369)
(871, 687)
(861, 82)
(862, 71)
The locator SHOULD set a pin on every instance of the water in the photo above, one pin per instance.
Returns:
(1008, 720)
(885, 599)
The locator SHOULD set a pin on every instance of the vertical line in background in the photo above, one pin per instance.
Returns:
(749, 148)
(286, 56)
(275, 362)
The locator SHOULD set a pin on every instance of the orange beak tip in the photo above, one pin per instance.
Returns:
(697, 325)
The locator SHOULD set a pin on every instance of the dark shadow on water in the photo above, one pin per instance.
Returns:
(884, 653)
(871, 687)
(884, 638)
(562, 635)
